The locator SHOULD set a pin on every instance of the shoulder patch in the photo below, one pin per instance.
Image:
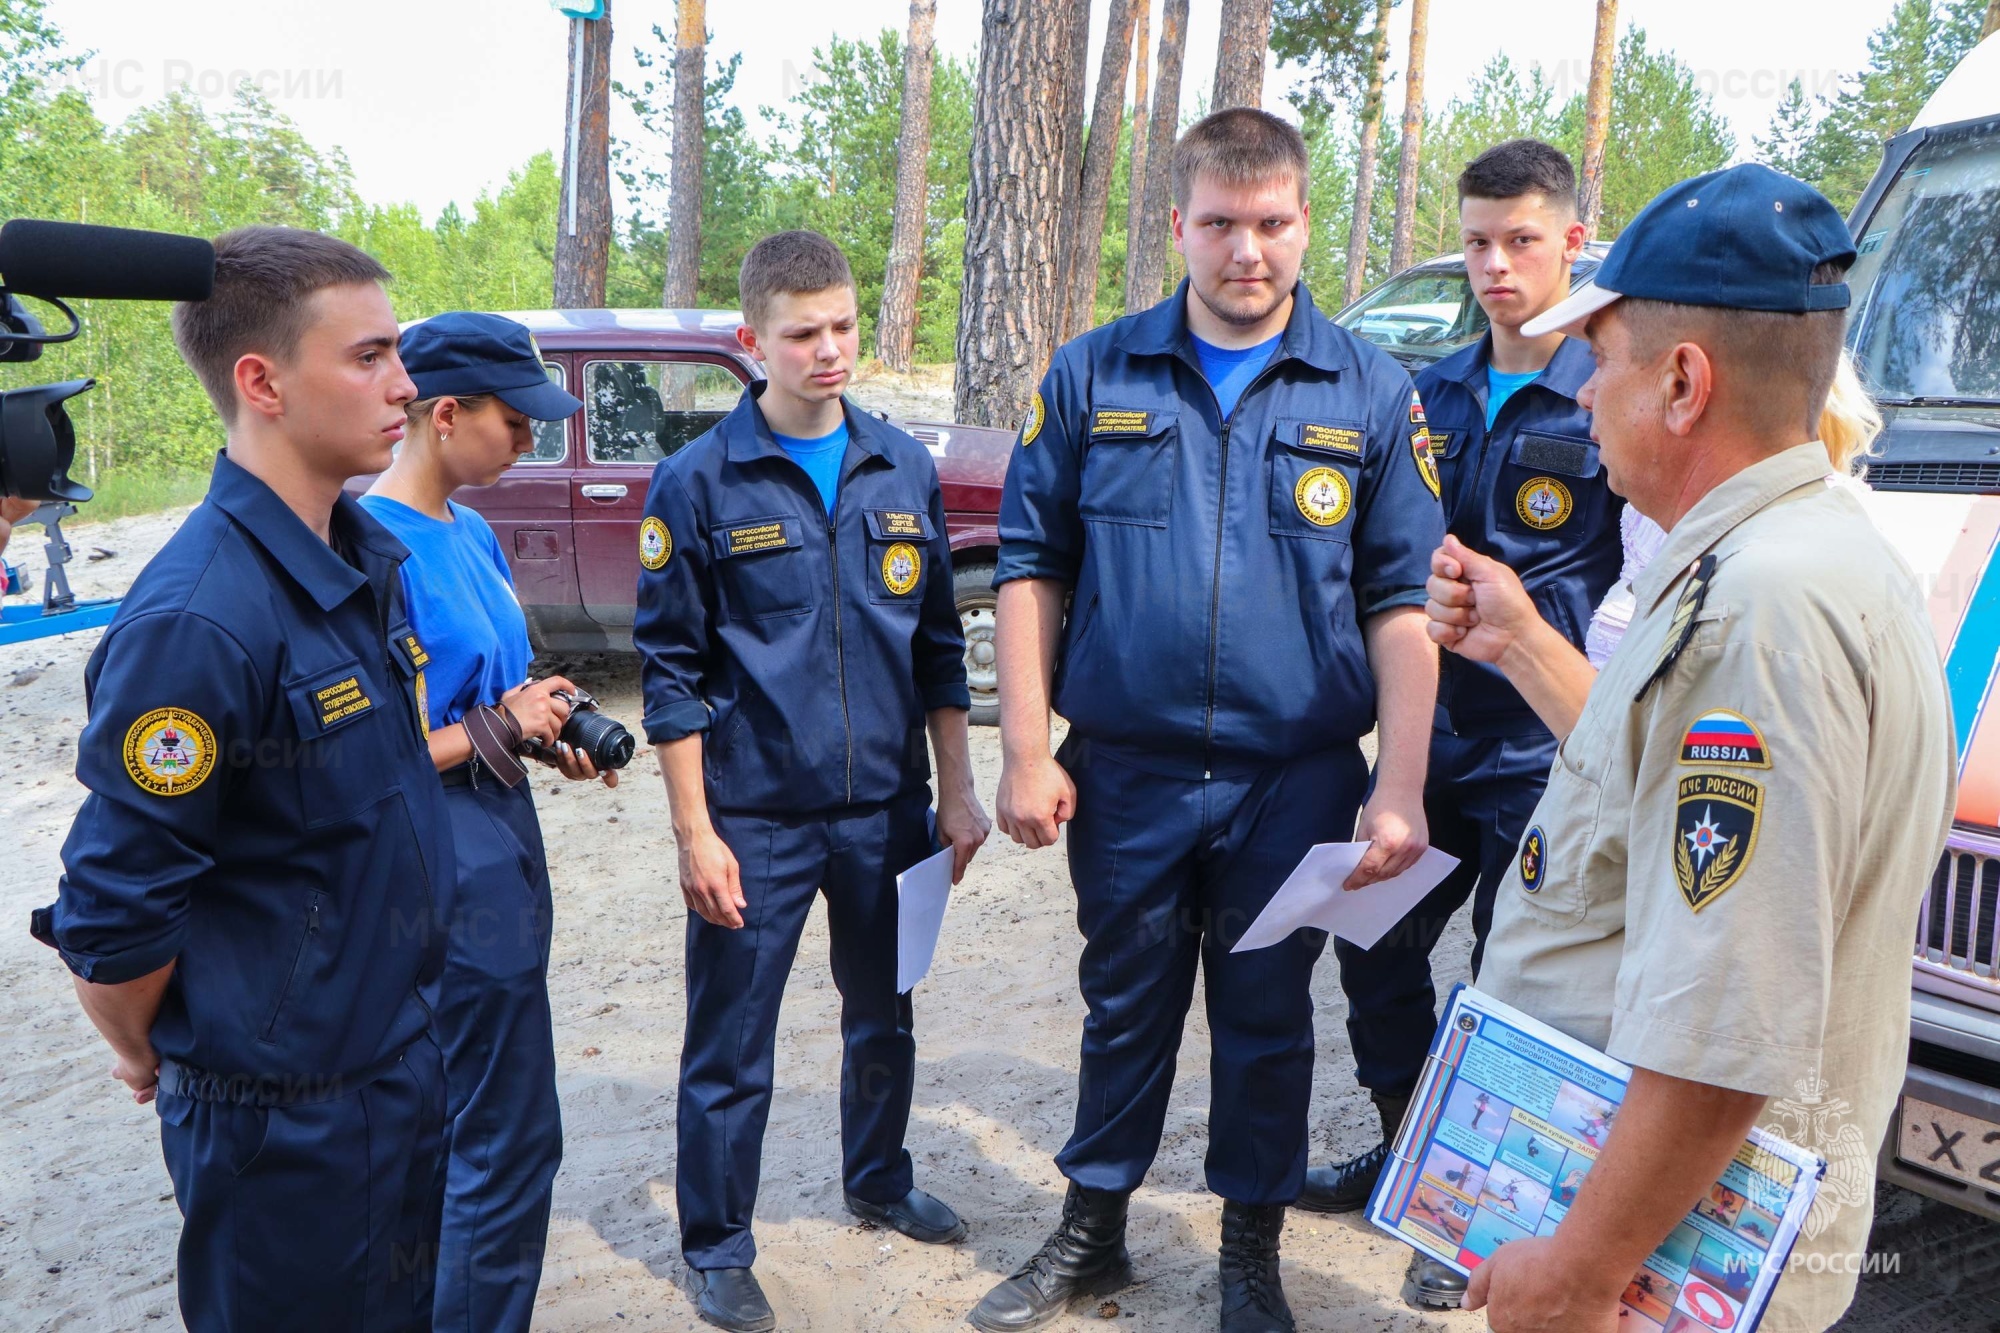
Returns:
(1037, 414)
(1425, 455)
(1332, 439)
(1544, 503)
(1534, 859)
(1416, 409)
(1715, 834)
(656, 544)
(169, 751)
(1700, 575)
(1120, 421)
(1722, 737)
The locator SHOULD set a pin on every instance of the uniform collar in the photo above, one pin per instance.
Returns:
(1309, 336)
(1719, 512)
(297, 549)
(750, 436)
(1566, 372)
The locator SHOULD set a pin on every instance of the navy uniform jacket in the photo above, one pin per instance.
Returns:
(1221, 570)
(1531, 494)
(809, 648)
(262, 805)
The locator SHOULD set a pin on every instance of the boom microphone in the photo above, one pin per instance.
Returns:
(88, 262)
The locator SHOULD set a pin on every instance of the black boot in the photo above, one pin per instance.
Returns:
(730, 1298)
(1084, 1256)
(1345, 1186)
(1253, 1300)
(1430, 1285)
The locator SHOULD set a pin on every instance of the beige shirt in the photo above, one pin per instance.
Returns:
(1721, 882)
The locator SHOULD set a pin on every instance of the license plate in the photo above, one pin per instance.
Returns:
(1951, 1143)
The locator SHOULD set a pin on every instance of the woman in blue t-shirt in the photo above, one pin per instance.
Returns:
(480, 383)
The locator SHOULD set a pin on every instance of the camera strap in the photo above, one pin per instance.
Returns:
(495, 737)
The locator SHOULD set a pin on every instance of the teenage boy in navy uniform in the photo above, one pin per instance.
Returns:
(798, 637)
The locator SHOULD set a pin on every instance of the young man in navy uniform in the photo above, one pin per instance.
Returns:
(798, 636)
(247, 897)
(1521, 482)
(1236, 496)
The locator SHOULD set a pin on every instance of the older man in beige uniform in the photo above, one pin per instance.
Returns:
(1721, 883)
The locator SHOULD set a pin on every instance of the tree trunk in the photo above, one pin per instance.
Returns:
(1010, 305)
(1069, 90)
(1107, 122)
(1369, 154)
(1597, 115)
(1135, 176)
(896, 330)
(1149, 270)
(690, 131)
(1402, 249)
(1239, 54)
(1992, 23)
(583, 223)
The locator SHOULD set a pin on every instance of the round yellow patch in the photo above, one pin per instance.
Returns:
(169, 751)
(656, 544)
(1323, 496)
(902, 566)
(1544, 503)
(1036, 415)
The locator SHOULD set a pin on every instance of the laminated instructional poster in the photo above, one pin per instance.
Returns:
(1506, 1124)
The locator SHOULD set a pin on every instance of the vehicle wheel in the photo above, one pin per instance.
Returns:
(972, 587)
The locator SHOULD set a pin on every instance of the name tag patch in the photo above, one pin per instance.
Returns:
(901, 523)
(1331, 439)
(757, 537)
(1722, 737)
(1119, 421)
(414, 646)
(343, 699)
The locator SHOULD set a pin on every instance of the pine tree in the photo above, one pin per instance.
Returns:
(1907, 58)
(1788, 147)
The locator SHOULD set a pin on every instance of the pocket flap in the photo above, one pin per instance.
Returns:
(887, 525)
(750, 536)
(1323, 435)
(1129, 423)
(1564, 455)
(330, 700)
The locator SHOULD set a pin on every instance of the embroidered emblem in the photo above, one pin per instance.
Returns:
(1544, 503)
(1700, 575)
(1037, 414)
(341, 700)
(1425, 453)
(424, 705)
(901, 523)
(1715, 833)
(656, 544)
(757, 537)
(1323, 496)
(902, 566)
(1119, 421)
(169, 751)
(1722, 737)
(419, 659)
(1331, 439)
(1534, 859)
(1417, 417)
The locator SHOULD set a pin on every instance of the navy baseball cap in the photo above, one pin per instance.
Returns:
(1743, 238)
(463, 353)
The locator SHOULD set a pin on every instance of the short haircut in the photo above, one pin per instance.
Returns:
(1520, 167)
(791, 263)
(264, 278)
(1770, 349)
(1240, 146)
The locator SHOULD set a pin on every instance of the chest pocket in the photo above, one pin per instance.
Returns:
(1128, 466)
(1549, 486)
(898, 555)
(761, 569)
(349, 728)
(1548, 871)
(1315, 473)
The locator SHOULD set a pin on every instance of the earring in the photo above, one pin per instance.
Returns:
(444, 436)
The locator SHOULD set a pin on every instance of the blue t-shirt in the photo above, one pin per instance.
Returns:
(1500, 386)
(461, 604)
(821, 459)
(1229, 370)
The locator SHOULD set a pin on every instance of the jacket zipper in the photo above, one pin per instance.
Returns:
(298, 960)
(839, 650)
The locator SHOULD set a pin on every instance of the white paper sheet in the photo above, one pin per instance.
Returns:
(924, 890)
(1312, 896)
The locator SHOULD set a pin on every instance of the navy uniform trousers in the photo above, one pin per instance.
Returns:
(1478, 797)
(1169, 872)
(255, 1196)
(736, 978)
(504, 1138)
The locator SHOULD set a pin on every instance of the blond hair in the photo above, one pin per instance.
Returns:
(1850, 421)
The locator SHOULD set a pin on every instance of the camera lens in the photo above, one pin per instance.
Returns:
(604, 739)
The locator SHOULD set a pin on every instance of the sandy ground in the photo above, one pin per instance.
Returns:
(88, 1224)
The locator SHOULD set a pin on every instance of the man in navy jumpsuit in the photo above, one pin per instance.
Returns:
(798, 636)
(1522, 483)
(1232, 491)
(247, 897)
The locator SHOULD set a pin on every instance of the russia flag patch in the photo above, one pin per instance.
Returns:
(1723, 737)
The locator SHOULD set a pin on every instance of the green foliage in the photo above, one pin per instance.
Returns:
(1330, 41)
(1664, 129)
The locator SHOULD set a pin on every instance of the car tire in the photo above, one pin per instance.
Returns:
(972, 589)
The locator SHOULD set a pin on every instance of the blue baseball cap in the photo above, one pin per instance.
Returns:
(1743, 238)
(463, 353)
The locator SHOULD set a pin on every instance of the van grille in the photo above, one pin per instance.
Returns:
(1974, 478)
(1959, 929)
